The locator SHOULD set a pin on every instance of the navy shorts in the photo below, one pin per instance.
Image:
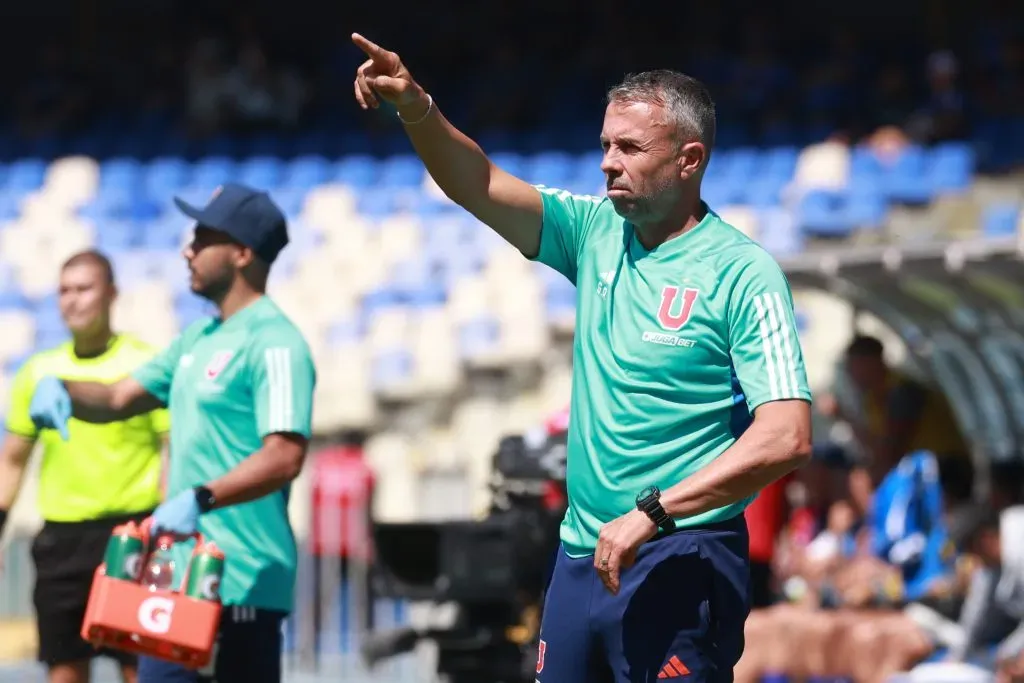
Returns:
(248, 649)
(679, 613)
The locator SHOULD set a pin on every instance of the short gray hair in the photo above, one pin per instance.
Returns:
(686, 100)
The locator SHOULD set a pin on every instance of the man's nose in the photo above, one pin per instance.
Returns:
(610, 163)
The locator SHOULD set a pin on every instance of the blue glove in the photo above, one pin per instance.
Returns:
(178, 516)
(51, 406)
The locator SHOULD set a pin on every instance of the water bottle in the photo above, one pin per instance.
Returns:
(159, 572)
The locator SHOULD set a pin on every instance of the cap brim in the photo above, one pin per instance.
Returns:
(189, 210)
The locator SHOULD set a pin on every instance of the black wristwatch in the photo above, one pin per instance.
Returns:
(648, 502)
(205, 499)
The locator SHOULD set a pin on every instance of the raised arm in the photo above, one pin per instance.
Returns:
(510, 206)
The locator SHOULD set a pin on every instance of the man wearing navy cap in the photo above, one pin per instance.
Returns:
(240, 391)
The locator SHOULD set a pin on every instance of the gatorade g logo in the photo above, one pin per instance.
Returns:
(541, 648)
(133, 566)
(155, 614)
(675, 321)
(209, 587)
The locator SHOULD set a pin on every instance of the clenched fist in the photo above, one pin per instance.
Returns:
(383, 77)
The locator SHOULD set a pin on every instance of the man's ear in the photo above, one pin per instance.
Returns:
(692, 159)
(244, 258)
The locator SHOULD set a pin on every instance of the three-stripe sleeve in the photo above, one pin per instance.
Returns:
(284, 385)
(764, 344)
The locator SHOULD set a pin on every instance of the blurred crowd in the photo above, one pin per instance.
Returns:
(878, 556)
(521, 67)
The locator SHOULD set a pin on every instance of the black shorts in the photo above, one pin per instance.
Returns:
(65, 555)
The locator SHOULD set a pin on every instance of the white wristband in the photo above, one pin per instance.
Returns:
(430, 108)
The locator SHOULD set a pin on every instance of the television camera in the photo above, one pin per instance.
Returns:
(493, 570)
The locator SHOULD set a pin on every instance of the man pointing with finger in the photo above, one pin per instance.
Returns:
(690, 393)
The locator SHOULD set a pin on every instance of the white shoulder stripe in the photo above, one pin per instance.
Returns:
(280, 411)
(778, 347)
(788, 341)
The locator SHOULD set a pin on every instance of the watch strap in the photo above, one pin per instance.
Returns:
(204, 498)
(652, 507)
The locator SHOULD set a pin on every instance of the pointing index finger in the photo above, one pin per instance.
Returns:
(372, 49)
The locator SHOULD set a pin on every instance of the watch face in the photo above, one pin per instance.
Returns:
(647, 493)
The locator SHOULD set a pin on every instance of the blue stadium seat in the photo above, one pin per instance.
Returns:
(380, 299)
(906, 179)
(950, 167)
(429, 295)
(553, 169)
(356, 170)
(10, 206)
(743, 164)
(114, 235)
(306, 172)
(376, 203)
(260, 172)
(823, 214)
(1001, 220)
(212, 171)
(164, 233)
(588, 166)
(120, 173)
(719, 192)
(510, 162)
(25, 175)
(47, 314)
(403, 170)
(165, 176)
(763, 192)
(291, 200)
(779, 163)
(13, 300)
(865, 211)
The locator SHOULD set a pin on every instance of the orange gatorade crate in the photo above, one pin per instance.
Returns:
(175, 626)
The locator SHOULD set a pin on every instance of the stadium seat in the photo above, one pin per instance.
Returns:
(210, 172)
(24, 176)
(1001, 220)
(950, 167)
(823, 214)
(357, 171)
(260, 172)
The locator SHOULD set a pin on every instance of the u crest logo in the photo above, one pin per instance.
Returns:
(675, 321)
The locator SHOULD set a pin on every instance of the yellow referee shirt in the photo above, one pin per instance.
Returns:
(103, 469)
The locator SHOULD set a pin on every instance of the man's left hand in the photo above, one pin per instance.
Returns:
(178, 516)
(617, 546)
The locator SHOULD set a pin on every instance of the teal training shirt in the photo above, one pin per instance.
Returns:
(674, 350)
(229, 384)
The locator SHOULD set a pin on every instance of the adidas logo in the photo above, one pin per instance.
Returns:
(674, 669)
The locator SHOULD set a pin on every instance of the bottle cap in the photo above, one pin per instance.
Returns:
(210, 548)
